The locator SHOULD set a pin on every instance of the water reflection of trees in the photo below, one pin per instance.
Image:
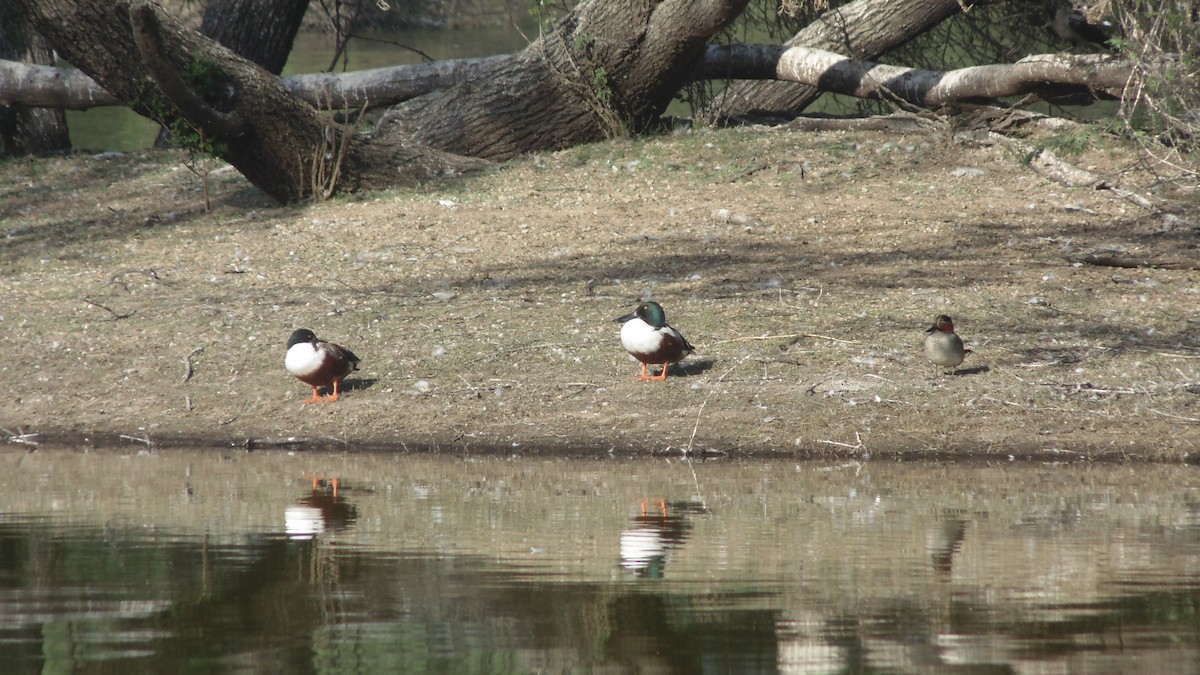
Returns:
(895, 567)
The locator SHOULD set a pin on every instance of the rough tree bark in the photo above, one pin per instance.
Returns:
(281, 144)
(28, 130)
(605, 68)
(863, 29)
(609, 63)
(260, 30)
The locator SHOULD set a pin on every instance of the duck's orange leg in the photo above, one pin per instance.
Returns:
(317, 481)
(661, 503)
(316, 398)
(645, 373)
(336, 390)
(661, 376)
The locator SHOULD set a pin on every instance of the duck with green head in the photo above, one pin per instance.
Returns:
(647, 337)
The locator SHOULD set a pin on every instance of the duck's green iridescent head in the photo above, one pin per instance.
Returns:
(652, 313)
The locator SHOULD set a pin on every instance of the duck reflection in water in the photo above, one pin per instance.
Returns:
(324, 509)
(661, 528)
(942, 541)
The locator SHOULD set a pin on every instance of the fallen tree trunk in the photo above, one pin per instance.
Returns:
(608, 65)
(863, 29)
(45, 86)
(39, 86)
(1040, 74)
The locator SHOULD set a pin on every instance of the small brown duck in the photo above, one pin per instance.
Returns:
(942, 345)
(318, 363)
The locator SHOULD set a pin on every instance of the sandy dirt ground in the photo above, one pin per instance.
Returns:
(804, 267)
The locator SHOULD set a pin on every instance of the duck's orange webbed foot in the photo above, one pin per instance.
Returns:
(661, 376)
(316, 397)
(645, 374)
(661, 503)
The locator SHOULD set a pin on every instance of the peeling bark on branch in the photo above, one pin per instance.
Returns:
(863, 29)
(836, 73)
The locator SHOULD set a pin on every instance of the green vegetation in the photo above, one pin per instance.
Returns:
(1159, 109)
(198, 151)
(1071, 144)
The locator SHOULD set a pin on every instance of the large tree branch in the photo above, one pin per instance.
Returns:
(147, 34)
(282, 134)
(44, 86)
(836, 73)
(38, 86)
(49, 87)
(863, 29)
(607, 67)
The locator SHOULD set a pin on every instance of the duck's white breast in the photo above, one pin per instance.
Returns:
(303, 359)
(639, 337)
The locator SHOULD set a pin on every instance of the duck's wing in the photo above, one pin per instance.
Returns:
(687, 347)
(341, 353)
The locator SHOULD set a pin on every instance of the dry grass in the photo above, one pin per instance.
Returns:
(804, 267)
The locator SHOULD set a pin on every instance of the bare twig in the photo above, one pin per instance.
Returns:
(352, 287)
(473, 388)
(1177, 417)
(327, 160)
(857, 444)
(116, 316)
(20, 437)
(118, 277)
(187, 365)
(755, 338)
(145, 438)
(691, 441)
(687, 452)
(1076, 387)
(746, 173)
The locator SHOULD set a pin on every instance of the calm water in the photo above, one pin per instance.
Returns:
(214, 561)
